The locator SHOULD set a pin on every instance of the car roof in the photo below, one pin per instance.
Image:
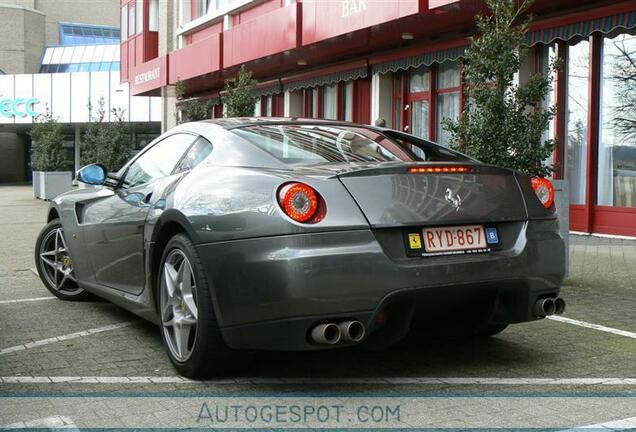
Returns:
(239, 122)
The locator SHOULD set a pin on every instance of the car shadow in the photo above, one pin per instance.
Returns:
(515, 351)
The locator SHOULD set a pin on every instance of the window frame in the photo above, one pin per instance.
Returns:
(176, 169)
(123, 172)
(402, 80)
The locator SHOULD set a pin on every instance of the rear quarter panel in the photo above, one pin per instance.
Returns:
(233, 203)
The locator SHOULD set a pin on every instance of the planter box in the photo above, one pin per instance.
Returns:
(562, 203)
(51, 184)
(36, 184)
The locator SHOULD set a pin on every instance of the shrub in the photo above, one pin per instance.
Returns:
(48, 139)
(239, 100)
(192, 109)
(104, 142)
(504, 123)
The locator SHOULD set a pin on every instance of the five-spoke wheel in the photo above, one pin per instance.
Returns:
(54, 263)
(179, 313)
(188, 324)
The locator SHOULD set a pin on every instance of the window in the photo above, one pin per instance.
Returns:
(427, 95)
(617, 142)
(200, 150)
(315, 97)
(346, 108)
(310, 102)
(448, 97)
(185, 10)
(140, 16)
(307, 144)
(84, 34)
(131, 20)
(330, 102)
(547, 57)
(202, 7)
(294, 144)
(159, 161)
(419, 92)
(124, 23)
(420, 80)
(268, 105)
(153, 16)
(398, 101)
(577, 109)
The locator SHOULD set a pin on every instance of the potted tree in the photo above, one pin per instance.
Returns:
(191, 109)
(106, 143)
(239, 99)
(505, 122)
(51, 167)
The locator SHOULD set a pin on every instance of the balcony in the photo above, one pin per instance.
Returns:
(327, 19)
(271, 33)
(199, 58)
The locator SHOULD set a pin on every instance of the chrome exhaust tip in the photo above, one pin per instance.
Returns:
(326, 334)
(559, 305)
(352, 331)
(544, 307)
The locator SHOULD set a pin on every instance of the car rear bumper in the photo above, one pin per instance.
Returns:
(270, 291)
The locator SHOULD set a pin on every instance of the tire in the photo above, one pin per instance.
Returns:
(55, 265)
(198, 349)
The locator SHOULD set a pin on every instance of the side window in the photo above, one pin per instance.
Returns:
(200, 150)
(159, 161)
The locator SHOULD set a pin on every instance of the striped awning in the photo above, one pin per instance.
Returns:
(267, 90)
(583, 28)
(424, 59)
(351, 74)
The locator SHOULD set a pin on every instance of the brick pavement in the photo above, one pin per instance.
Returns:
(601, 290)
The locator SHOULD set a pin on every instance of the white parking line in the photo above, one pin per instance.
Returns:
(57, 422)
(65, 337)
(330, 381)
(616, 425)
(33, 299)
(593, 326)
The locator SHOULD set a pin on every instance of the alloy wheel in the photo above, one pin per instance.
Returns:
(56, 262)
(178, 301)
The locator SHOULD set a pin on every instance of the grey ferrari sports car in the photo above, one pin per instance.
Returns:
(300, 234)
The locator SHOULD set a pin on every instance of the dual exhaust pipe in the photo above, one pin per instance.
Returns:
(331, 333)
(549, 306)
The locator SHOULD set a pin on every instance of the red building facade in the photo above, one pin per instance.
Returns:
(400, 60)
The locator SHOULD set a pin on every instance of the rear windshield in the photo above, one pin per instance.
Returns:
(314, 144)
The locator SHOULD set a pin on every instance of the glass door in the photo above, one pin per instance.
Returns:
(578, 77)
(418, 114)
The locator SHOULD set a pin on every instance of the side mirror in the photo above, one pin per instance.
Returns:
(93, 174)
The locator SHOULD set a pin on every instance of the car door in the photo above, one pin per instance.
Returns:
(113, 225)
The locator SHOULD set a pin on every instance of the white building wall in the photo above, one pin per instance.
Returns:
(68, 95)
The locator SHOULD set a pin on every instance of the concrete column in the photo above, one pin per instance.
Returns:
(77, 148)
(382, 98)
(169, 112)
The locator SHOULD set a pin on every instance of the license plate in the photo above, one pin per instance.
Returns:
(451, 239)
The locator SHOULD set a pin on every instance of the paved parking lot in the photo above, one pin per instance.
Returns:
(93, 364)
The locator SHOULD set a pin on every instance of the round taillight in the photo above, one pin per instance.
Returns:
(299, 201)
(544, 190)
